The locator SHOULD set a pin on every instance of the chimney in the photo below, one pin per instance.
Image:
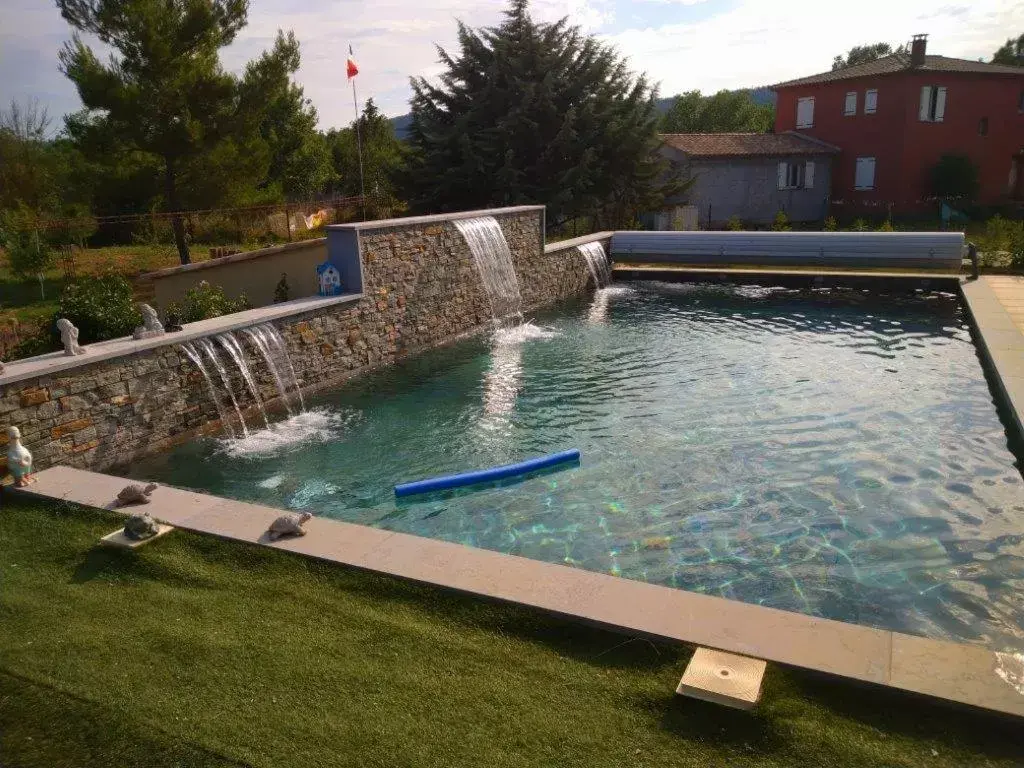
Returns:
(918, 46)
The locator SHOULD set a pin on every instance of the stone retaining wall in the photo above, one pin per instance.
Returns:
(420, 289)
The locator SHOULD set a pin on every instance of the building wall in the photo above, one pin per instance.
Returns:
(906, 148)
(748, 188)
(420, 290)
(254, 273)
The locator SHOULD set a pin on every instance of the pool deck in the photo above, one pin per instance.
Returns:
(964, 674)
(996, 305)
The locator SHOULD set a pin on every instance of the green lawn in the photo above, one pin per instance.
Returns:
(198, 652)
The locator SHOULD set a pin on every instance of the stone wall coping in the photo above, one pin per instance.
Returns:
(232, 259)
(55, 362)
(563, 245)
(412, 221)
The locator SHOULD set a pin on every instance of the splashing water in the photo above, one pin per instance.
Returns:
(493, 261)
(598, 311)
(276, 340)
(319, 425)
(597, 263)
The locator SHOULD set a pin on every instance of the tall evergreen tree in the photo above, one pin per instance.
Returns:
(861, 54)
(537, 113)
(164, 92)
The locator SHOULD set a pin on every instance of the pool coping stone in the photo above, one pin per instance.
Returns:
(959, 673)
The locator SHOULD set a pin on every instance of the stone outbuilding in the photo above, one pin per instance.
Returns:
(753, 175)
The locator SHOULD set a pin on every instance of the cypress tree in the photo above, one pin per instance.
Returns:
(529, 112)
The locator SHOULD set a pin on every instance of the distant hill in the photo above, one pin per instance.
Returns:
(760, 96)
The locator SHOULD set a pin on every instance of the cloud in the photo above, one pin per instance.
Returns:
(760, 43)
(724, 43)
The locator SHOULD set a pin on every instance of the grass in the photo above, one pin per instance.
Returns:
(199, 652)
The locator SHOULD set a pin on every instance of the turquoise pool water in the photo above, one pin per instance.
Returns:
(835, 453)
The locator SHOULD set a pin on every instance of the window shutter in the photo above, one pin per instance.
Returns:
(783, 168)
(926, 100)
(809, 175)
(865, 175)
(870, 101)
(850, 107)
(940, 105)
(805, 112)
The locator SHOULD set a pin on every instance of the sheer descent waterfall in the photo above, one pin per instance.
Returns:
(597, 262)
(493, 261)
(267, 340)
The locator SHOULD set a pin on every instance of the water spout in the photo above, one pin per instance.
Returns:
(260, 342)
(277, 340)
(214, 358)
(493, 261)
(197, 360)
(234, 349)
(597, 262)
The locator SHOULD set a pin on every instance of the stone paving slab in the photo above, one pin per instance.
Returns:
(959, 673)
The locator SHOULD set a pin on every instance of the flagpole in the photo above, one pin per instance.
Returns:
(359, 143)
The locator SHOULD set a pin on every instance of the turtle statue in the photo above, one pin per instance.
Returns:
(134, 494)
(288, 525)
(140, 526)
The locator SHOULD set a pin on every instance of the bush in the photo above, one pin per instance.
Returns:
(28, 253)
(734, 224)
(1016, 248)
(831, 225)
(101, 308)
(886, 226)
(859, 225)
(781, 223)
(1000, 233)
(954, 177)
(206, 301)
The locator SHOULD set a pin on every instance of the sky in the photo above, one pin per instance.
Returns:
(681, 44)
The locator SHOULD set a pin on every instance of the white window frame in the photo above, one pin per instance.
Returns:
(870, 101)
(857, 183)
(794, 174)
(850, 104)
(932, 107)
(806, 100)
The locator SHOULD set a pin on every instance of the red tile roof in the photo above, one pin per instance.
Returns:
(900, 62)
(746, 144)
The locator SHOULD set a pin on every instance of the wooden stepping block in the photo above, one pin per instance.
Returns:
(118, 539)
(723, 678)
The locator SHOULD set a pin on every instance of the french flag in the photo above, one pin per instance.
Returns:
(351, 67)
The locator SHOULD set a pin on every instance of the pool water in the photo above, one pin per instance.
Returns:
(836, 453)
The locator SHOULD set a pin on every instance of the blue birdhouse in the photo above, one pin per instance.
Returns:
(329, 279)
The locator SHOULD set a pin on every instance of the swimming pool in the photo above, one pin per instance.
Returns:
(835, 452)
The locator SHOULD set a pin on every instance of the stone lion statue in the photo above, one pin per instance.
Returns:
(69, 337)
(151, 325)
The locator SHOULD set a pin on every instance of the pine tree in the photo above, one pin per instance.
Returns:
(164, 94)
(384, 157)
(537, 113)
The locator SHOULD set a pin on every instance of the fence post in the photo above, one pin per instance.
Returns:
(288, 222)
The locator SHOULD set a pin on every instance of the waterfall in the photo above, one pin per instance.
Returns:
(597, 262)
(275, 338)
(234, 349)
(493, 261)
(272, 349)
(211, 354)
(261, 343)
(193, 354)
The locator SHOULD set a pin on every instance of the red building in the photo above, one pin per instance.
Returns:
(893, 118)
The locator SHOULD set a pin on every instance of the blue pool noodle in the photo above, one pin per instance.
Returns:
(486, 475)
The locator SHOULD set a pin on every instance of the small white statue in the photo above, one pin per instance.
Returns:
(69, 336)
(151, 325)
(19, 459)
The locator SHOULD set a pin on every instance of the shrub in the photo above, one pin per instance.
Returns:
(28, 253)
(859, 225)
(101, 308)
(206, 301)
(954, 176)
(831, 225)
(886, 226)
(734, 224)
(781, 223)
(1016, 248)
(1000, 233)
